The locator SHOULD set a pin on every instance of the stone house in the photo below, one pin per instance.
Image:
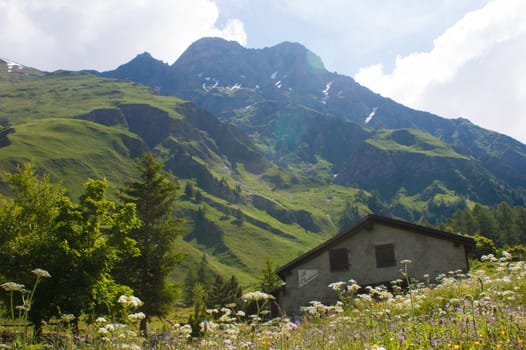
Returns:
(370, 253)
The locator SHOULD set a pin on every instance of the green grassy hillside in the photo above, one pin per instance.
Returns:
(76, 126)
(73, 150)
(66, 95)
(51, 118)
(413, 141)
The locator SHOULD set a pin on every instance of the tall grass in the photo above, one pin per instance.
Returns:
(484, 309)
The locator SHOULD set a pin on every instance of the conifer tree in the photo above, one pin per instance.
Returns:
(189, 190)
(269, 280)
(198, 196)
(504, 218)
(154, 195)
(223, 292)
(487, 226)
(197, 274)
(350, 215)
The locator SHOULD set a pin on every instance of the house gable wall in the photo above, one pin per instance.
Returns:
(429, 254)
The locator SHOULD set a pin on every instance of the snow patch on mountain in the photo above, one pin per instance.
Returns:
(326, 91)
(209, 84)
(371, 115)
(327, 88)
(11, 65)
(234, 87)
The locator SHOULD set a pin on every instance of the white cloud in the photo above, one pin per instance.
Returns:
(475, 70)
(349, 34)
(102, 34)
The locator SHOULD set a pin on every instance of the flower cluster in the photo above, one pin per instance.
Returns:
(136, 316)
(41, 273)
(13, 287)
(130, 301)
(256, 296)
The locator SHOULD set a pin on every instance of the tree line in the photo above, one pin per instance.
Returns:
(499, 227)
(95, 249)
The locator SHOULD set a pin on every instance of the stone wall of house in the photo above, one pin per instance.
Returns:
(429, 255)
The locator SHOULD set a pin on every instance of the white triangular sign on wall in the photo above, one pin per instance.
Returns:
(305, 276)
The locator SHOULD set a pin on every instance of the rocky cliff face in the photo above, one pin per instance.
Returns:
(198, 135)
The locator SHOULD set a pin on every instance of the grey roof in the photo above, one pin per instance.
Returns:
(367, 223)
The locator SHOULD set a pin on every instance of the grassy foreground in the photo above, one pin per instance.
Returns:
(481, 310)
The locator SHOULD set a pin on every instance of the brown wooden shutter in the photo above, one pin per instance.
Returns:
(385, 256)
(339, 259)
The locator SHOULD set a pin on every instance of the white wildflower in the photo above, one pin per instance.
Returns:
(353, 288)
(134, 301)
(338, 308)
(489, 257)
(212, 311)
(41, 273)
(101, 320)
(13, 287)
(131, 300)
(136, 316)
(226, 311)
(505, 256)
(255, 296)
(337, 286)
(23, 308)
(185, 330)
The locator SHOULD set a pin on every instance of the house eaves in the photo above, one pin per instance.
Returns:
(367, 223)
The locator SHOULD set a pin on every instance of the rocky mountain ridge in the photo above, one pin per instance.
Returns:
(286, 100)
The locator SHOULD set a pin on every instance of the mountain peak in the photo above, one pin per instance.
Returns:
(142, 61)
(219, 63)
(210, 48)
(144, 55)
(288, 47)
(144, 58)
(298, 52)
(144, 69)
(214, 42)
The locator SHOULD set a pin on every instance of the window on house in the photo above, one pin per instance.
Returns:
(385, 256)
(339, 259)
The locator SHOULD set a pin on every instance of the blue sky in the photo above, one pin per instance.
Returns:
(450, 57)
